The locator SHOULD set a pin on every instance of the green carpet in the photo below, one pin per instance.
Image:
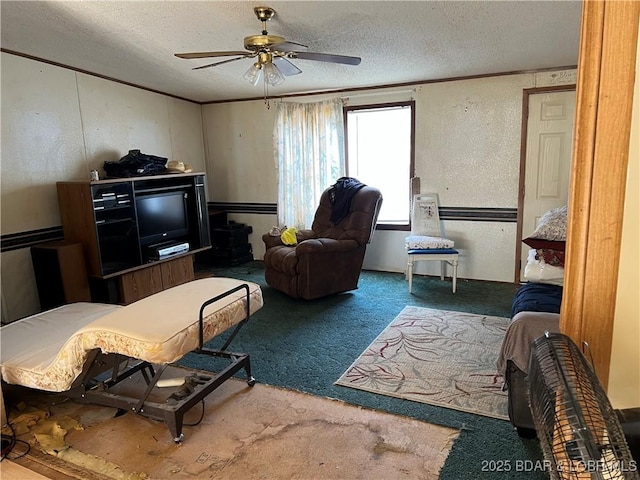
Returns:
(307, 345)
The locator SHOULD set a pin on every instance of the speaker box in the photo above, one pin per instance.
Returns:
(61, 273)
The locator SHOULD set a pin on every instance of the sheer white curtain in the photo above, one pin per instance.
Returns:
(309, 153)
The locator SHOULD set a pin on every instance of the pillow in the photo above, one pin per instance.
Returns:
(552, 225)
(551, 232)
(422, 242)
(539, 243)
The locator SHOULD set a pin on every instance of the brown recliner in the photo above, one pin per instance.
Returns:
(328, 258)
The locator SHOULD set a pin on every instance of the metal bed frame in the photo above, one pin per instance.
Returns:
(103, 371)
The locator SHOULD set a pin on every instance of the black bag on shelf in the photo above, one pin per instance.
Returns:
(135, 164)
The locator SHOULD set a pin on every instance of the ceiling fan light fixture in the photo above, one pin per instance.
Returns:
(272, 74)
(252, 75)
(273, 53)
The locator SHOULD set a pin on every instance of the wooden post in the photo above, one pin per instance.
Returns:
(604, 97)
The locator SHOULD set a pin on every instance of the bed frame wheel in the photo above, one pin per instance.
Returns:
(251, 381)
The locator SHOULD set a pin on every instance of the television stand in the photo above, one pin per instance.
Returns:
(133, 284)
(155, 277)
(116, 222)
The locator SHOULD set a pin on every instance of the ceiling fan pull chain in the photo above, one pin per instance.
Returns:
(266, 95)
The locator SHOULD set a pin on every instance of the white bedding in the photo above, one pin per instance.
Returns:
(48, 350)
(540, 272)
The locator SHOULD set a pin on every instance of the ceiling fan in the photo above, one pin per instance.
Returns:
(272, 54)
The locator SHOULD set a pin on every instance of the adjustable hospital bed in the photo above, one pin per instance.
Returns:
(84, 350)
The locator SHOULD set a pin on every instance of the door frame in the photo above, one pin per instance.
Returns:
(523, 163)
(604, 101)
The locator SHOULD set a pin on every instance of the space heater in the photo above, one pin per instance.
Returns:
(579, 432)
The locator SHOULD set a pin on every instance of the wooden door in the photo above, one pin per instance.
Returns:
(548, 154)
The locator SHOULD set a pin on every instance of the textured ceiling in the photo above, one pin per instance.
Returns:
(134, 41)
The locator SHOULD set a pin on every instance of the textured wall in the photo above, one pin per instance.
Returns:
(467, 150)
(468, 146)
(58, 125)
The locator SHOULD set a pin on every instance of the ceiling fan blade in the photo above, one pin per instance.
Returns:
(220, 63)
(325, 57)
(287, 46)
(286, 67)
(209, 54)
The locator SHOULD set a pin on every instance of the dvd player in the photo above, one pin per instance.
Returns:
(159, 252)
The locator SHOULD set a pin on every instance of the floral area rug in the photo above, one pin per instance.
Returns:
(437, 357)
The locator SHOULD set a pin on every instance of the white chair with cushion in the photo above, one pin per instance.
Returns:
(425, 242)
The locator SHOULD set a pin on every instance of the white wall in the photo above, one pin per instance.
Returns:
(58, 125)
(239, 145)
(467, 150)
(624, 377)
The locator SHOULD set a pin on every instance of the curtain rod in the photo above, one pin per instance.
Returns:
(347, 97)
(379, 94)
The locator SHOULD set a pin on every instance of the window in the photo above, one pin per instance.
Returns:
(379, 141)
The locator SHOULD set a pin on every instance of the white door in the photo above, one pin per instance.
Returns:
(548, 158)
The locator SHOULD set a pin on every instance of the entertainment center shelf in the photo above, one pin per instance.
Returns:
(138, 234)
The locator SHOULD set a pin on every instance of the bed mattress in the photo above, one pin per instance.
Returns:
(47, 351)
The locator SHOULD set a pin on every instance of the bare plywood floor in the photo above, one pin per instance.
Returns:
(246, 433)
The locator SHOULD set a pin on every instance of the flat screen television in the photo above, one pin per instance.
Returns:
(162, 217)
